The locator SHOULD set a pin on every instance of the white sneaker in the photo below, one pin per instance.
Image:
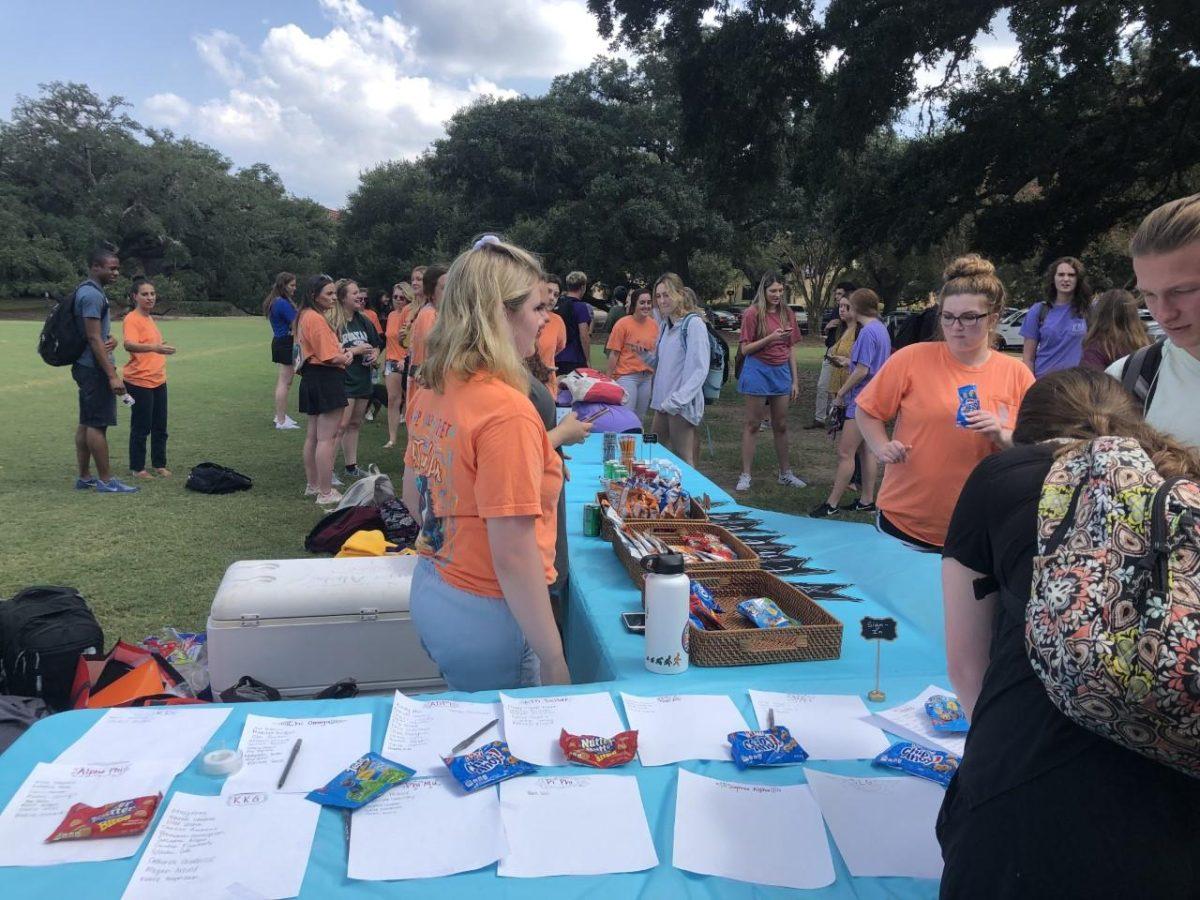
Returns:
(791, 479)
(743, 483)
(310, 491)
(329, 499)
(370, 416)
(335, 481)
(286, 425)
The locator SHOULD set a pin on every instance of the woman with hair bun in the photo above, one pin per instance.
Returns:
(1031, 809)
(954, 402)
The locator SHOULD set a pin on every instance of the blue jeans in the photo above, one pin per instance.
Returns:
(475, 641)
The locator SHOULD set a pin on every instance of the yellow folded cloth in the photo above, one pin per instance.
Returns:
(365, 543)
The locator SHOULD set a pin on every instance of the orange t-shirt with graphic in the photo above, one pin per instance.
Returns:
(628, 337)
(318, 342)
(148, 370)
(918, 386)
(394, 351)
(479, 451)
(550, 340)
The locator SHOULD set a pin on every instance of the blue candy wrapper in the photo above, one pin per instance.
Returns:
(490, 764)
(968, 401)
(696, 623)
(945, 715)
(764, 613)
(704, 595)
(361, 782)
(772, 747)
(924, 762)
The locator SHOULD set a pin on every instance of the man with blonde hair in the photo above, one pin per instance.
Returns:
(577, 314)
(1165, 377)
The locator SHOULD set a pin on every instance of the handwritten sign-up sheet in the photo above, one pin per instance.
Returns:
(911, 722)
(827, 726)
(676, 727)
(533, 724)
(328, 745)
(146, 735)
(419, 732)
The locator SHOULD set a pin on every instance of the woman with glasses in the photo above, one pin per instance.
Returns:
(954, 402)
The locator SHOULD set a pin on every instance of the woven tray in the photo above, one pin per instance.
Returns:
(819, 636)
(696, 514)
(670, 530)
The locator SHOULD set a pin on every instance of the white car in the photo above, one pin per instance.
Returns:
(1010, 330)
(1152, 328)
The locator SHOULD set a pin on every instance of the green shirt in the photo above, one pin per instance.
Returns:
(357, 332)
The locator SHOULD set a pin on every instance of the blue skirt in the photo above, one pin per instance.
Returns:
(760, 380)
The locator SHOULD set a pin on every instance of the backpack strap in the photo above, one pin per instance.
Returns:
(1139, 374)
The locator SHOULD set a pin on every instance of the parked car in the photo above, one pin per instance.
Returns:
(1152, 328)
(599, 312)
(801, 316)
(725, 318)
(1009, 330)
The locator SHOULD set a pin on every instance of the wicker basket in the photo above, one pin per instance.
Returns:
(670, 530)
(819, 636)
(696, 514)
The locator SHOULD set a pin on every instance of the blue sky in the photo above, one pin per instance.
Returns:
(318, 89)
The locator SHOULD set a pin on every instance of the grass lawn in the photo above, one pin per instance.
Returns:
(155, 558)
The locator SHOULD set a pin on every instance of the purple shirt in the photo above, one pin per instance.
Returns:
(575, 352)
(1059, 339)
(871, 348)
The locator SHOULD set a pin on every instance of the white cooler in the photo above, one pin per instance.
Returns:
(299, 625)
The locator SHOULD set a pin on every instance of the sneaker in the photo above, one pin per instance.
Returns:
(142, 474)
(335, 481)
(764, 425)
(743, 483)
(287, 424)
(114, 486)
(86, 484)
(353, 472)
(370, 416)
(858, 506)
(791, 479)
(329, 499)
(163, 471)
(310, 491)
(824, 511)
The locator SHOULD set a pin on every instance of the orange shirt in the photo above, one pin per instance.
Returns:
(393, 350)
(371, 316)
(628, 337)
(919, 386)
(550, 341)
(419, 333)
(318, 342)
(479, 452)
(147, 370)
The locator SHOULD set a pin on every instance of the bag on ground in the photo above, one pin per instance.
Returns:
(127, 675)
(399, 526)
(373, 489)
(43, 631)
(210, 478)
(62, 340)
(333, 528)
(1113, 626)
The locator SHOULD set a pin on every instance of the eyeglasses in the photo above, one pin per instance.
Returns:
(966, 320)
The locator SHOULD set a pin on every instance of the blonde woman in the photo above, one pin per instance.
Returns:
(359, 338)
(677, 397)
(483, 480)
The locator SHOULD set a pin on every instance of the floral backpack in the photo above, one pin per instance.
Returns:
(1113, 625)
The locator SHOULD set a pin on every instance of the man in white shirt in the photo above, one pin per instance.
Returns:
(1166, 260)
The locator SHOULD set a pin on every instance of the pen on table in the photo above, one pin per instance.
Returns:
(466, 742)
(287, 768)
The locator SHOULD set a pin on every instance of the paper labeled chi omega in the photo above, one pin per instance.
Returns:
(827, 726)
(909, 720)
(882, 826)
(676, 727)
(419, 733)
(758, 833)
(533, 725)
(543, 819)
(328, 745)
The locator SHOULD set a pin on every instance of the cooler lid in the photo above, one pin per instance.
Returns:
(300, 588)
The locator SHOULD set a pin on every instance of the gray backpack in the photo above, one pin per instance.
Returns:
(373, 489)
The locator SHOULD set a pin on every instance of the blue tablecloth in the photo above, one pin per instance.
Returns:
(890, 580)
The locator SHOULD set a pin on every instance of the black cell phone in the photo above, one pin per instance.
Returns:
(634, 621)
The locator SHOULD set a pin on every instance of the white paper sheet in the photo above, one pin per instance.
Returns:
(147, 735)
(911, 722)
(532, 725)
(882, 826)
(51, 789)
(828, 726)
(418, 733)
(425, 828)
(327, 746)
(212, 846)
(760, 833)
(552, 823)
(676, 727)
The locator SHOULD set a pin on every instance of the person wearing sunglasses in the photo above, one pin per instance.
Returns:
(954, 402)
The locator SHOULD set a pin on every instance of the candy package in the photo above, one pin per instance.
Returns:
(704, 595)
(490, 764)
(696, 623)
(764, 613)
(361, 782)
(599, 752)
(924, 762)
(120, 819)
(704, 614)
(968, 401)
(945, 714)
(773, 747)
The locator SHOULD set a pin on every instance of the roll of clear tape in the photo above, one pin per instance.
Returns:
(221, 762)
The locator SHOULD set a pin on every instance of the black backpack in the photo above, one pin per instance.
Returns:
(62, 341)
(210, 478)
(43, 631)
(917, 329)
(1140, 373)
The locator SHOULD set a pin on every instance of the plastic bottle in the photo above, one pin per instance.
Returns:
(666, 596)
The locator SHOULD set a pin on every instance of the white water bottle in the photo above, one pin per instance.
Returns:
(666, 595)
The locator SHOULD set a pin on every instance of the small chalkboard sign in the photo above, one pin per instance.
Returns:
(650, 438)
(882, 629)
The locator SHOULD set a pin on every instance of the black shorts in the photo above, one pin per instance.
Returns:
(97, 402)
(322, 389)
(888, 527)
(281, 350)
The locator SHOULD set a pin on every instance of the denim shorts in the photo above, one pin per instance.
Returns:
(473, 640)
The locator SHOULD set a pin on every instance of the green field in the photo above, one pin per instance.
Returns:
(155, 558)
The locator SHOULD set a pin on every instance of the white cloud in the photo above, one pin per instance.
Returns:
(322, 107)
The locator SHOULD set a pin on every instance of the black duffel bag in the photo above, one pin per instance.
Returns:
(210, 478)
